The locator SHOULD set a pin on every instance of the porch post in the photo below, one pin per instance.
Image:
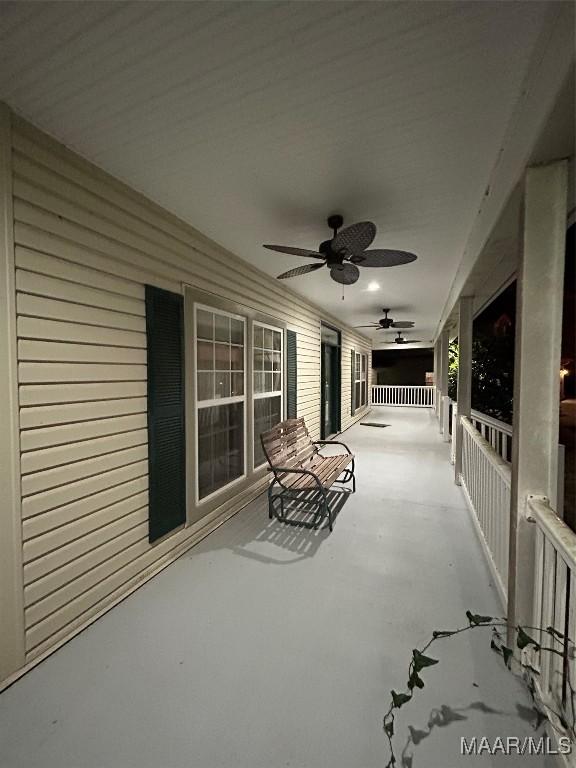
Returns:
(464, 397)
(11, 587)
(537, 367)
(437, 377)
(443, 371)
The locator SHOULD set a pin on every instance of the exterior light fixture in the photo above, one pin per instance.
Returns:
(373, 286)
(563, 373)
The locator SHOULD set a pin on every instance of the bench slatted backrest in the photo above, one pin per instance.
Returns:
(288, 444)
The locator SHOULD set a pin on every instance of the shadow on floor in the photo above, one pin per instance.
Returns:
(444, 716)
(297, 536)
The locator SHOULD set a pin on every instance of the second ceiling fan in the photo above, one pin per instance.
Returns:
(345, 252)
(401, 340)
(387, 322)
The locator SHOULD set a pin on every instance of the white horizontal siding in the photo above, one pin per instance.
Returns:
(86, 246)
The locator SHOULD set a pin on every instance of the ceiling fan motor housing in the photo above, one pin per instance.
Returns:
(332, 257)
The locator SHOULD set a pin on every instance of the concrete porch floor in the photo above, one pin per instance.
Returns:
(268, 646)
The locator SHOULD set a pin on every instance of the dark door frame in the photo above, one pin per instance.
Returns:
(335, 350)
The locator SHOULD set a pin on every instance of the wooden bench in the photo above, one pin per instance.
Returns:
(301, 472)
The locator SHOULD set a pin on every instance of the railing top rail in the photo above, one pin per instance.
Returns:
(554, 529)
(404, 386)
(501, 466)
(491, 422)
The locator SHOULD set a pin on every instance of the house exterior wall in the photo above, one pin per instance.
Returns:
(85, 245)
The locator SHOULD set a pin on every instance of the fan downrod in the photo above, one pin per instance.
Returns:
(335, 222)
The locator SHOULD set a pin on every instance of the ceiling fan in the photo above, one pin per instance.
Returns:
(386, 322)
(345, 252)
(401, 340)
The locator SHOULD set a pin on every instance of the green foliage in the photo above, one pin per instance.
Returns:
(523, 640)
(476, 618)
(492, 375)
(420, 661)
(400, 698)
(453, 370)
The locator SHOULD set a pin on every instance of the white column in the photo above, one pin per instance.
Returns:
(436, 392)
(464, 396)
(537, 370)
(443, 372)
(11, 587)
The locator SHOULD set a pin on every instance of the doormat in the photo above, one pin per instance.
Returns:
(372, 424)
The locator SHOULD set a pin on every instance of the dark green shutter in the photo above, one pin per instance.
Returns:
(353, 385)
(291, 375)
(166, 428)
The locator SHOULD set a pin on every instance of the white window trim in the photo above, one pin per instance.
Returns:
(198, 405)
(263, 395)
(358, 367)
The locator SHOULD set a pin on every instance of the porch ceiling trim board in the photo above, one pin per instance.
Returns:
(85, 246)
(550, 68)
(11, 592)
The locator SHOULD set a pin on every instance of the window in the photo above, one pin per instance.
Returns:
(268, 376)
(360, 381)
(220, 399)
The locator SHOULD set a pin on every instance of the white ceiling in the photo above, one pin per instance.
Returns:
(255, 121)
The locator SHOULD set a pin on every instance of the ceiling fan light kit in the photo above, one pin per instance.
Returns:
(345, 252)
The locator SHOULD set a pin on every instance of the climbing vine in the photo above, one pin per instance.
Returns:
(421, 661)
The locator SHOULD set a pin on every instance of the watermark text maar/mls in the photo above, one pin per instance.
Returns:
(514, 745)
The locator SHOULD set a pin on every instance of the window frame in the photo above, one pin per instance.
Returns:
(219, 401)
(266, 395)
(360, 378)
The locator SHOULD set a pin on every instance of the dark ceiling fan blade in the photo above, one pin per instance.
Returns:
(354, 239)
(373, 325)
(303, 270)
(381, 257)
(294, 251)
(346, 274)
(403, 324)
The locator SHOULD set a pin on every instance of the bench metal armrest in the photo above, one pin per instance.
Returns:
(333, 442)
(296, 470)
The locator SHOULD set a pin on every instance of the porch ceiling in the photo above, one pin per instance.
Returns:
(254, 121)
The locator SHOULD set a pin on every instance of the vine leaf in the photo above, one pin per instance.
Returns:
(523, 640)
(400, 698)
(441, 633)
(552, 631)
(421, 661)
(415, 680)
(476, 618)
(507, 653)
(389, 728)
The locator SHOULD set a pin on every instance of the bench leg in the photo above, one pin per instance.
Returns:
(324, 508)
(329, 513)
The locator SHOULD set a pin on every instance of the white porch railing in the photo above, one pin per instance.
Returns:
(496, 432)
(486, 480)
(555, 604)
(417, 397)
